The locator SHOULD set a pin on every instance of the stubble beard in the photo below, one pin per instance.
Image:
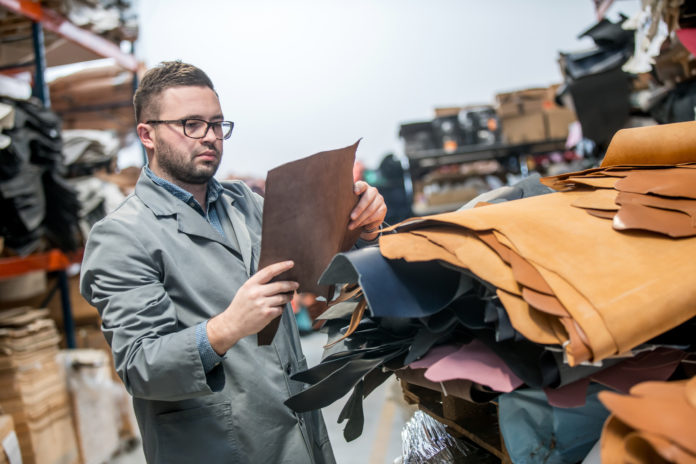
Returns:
(181, 167)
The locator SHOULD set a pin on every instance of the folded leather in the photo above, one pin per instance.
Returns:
(657, 415)
(665, 143)
(421, 289)
(592, 269)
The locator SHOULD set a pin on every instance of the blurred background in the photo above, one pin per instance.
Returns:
(450, 98)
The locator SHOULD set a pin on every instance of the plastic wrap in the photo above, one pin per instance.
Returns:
(425, 441)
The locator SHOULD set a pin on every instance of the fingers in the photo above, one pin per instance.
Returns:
(360, 186)
(370, 210)
(372, 217)
(266, 274)
(284, 286)
(368, 196)
(279, 300)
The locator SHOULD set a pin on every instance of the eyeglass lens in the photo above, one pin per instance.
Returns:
(197, 128)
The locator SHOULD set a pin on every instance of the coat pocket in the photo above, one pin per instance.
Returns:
(202, 434)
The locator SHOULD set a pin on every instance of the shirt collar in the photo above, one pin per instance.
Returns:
(212, 194)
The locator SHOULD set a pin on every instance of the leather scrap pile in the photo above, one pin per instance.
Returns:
(538, 304)
(37, 205)
(86, 152)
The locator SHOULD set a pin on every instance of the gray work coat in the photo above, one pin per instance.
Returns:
(155, 268)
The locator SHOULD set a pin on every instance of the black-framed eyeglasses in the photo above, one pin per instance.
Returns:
(198, 128)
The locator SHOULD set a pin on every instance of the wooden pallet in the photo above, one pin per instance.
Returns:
(476, 422)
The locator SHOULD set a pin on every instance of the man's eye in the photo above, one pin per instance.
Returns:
(194, 125)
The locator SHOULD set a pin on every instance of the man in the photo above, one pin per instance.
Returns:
(173, 274)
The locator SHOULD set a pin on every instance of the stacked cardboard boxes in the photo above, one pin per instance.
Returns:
(32, 389)
(531, 115)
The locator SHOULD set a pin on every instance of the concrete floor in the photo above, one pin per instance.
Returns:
(385, 414)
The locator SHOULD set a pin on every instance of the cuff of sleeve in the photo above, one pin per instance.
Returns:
(209, 358)
(361, 243)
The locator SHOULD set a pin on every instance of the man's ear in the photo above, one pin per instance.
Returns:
(145, 133)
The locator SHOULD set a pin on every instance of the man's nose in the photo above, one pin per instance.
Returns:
(209, 136)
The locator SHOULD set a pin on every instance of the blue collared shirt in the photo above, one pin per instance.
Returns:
(209, 358)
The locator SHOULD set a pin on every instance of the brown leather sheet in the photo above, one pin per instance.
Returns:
(684, 205)
(665, 144)
(602, 199)
(524, 273)
(675, 182)
(636, 216)
(543, 302)
(654, 200)
(595, 182)
(603, 214)
(535, 325)
(655, 419)
(562, 182)
(415, 248)
(306, 212)
(475, 255)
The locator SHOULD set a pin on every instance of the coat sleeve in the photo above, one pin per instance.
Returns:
(154, 357)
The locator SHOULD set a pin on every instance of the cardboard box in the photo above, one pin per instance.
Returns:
(524, 128)
(557, 121)
(520, 102)
(447, 111)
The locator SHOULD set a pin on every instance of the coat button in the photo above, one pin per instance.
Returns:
(288, 369)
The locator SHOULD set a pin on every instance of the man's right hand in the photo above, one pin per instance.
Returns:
(256, 303)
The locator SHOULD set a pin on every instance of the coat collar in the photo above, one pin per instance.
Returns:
(190, 222)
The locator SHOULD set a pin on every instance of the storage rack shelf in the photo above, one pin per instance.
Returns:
(50, 261)
(20, 21)
(423, 160)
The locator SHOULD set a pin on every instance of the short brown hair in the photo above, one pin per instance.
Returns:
(165, 75)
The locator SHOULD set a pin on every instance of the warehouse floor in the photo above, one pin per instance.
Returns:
(385, 414)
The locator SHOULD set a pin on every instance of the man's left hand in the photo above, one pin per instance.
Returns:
(370, 211)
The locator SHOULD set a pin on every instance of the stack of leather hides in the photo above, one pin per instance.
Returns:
(35, 201)
(495, 302)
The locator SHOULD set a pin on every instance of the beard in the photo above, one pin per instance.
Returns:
(182, 167)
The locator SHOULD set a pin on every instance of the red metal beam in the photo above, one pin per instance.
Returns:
(53, 260)
(55, 23)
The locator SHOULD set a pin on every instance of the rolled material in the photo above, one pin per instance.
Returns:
(663, 144)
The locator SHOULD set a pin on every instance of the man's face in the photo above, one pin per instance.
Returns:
(177, 157)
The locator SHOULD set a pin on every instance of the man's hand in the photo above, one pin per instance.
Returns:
(370, 211)
(256, 303)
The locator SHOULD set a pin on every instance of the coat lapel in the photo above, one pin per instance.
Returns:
(240, 230)
(192, 223)
(163, 203)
